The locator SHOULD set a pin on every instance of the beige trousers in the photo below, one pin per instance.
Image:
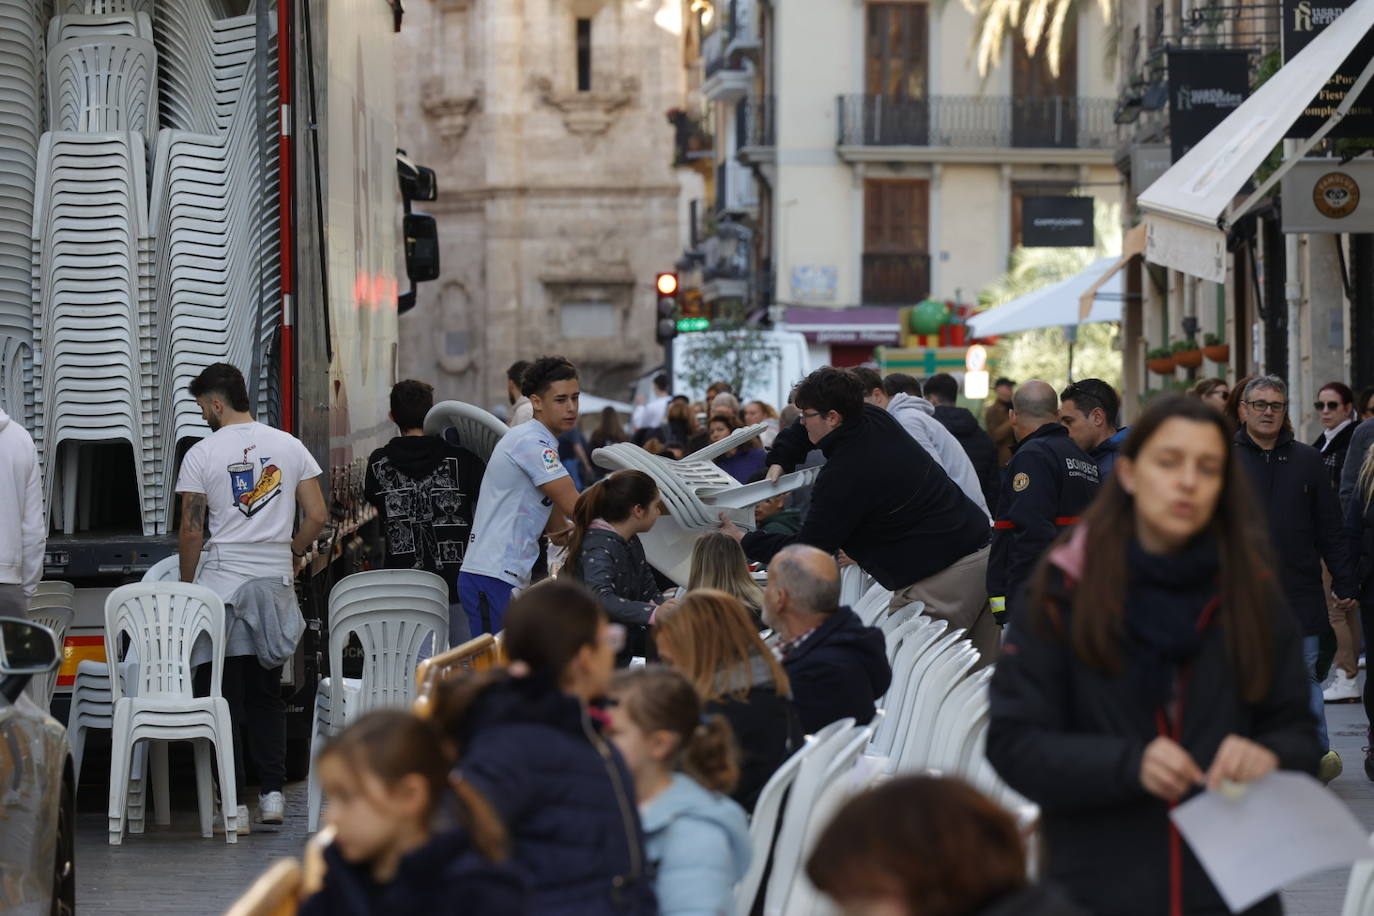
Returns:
(958, 595)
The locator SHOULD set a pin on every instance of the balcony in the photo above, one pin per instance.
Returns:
(735, 189)
(758, 121)
(895, 279)
(1077, 128)
(741, 28)
(727, 74)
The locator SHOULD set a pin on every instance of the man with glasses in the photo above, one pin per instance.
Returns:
(887, 504)
(1293, 486)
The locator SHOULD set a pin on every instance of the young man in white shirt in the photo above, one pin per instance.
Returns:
(526, 492)
(23, 523)
(246, 481)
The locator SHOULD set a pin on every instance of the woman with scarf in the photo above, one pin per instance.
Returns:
(1156, 660)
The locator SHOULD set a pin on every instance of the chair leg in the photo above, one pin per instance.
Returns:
(228, 790)
(205, 791)
(138, 786)
(76, 737)
(121, 752)
(162, 795)
(313, 792)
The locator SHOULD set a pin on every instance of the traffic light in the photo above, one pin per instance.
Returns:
(666, 293)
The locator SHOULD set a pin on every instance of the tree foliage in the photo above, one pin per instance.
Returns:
(737, 353)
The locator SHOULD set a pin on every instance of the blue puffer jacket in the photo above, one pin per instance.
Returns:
(445, 876)
(698, 845)
(565, 795)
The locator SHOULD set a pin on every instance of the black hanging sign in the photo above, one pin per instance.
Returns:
(1204, 87)
(1304, 20)
(1057, 222)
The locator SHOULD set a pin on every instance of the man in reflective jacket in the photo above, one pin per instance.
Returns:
(1045, 487)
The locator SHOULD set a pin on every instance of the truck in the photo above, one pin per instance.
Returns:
(186, 182)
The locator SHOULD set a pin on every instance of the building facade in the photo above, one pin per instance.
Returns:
(558, 194)
(861, 161)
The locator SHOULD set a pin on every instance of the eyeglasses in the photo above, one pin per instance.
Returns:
(810, 414)
(1327, 405)
(1267, 406)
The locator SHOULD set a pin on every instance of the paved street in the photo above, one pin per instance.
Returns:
(173, 870)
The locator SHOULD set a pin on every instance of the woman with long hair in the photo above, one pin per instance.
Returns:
(681, 424)
(532, 747)
(1212, 391)
(683, 763)
(605, 554)
(608, 432)
(1155, 655)
(767, 414)
(718, 562)
(709, 637)
(741, 462)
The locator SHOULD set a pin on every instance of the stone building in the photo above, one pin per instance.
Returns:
(545, 121)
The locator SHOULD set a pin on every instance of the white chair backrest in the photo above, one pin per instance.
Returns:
(163, 621)
(842, 780)
(168, 569)
(57, 618)
(105, 83)
(1359, 891)
(956, 715)
(854, 584)
(49, 588)
(873, 604)
(392, 612)
(829, 743)
(898, 701)
(478, 430)
(920, 666)
(895, 623)
(947, 670)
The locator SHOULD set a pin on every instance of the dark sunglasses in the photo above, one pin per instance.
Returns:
(1328, 405)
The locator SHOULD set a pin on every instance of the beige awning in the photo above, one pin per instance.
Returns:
(1189, 207)
(1132, 245)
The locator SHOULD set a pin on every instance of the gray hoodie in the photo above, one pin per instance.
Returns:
(917, 416)
(23, 533)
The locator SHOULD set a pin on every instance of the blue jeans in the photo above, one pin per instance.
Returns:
(1311, 648)
(484, 600)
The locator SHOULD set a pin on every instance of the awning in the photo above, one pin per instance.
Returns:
(1132, 246)
(590, 404)
(1189, 207)
(1056, 305)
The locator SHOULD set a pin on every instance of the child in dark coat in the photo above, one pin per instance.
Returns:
(406, 841)
(606, 555)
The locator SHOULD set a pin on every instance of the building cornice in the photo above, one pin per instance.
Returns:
(974, 155)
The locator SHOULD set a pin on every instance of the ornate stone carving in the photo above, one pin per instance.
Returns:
(587, 114)
(452, 114)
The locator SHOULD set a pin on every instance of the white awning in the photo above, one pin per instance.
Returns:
(1056, 305)
(590, 404)
(1188, 208)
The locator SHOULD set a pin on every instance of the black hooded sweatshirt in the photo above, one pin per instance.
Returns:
(425, 491)
(978, 445)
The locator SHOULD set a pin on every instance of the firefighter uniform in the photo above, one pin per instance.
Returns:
(1045, 487)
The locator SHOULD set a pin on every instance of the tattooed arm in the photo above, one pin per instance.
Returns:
(191, 536)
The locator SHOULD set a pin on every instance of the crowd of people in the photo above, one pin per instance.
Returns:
(1168, 607)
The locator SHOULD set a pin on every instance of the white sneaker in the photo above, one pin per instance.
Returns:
(271, 808)
(1345, 688)
(1362, 661)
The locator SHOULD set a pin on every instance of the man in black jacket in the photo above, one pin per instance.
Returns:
(425, 491)
(1293, 486)
(943, 391)
(1045, 488)
(837, 666)
(885, 502)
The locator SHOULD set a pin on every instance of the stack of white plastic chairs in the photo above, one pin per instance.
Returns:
(21, 124)
(208, 178)
(697, 493)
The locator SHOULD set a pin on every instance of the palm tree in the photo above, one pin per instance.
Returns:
(1038, 21)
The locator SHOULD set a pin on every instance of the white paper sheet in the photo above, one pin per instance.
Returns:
(1285, 827)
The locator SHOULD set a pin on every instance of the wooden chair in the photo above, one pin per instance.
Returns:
(280, 890)
(479, 654)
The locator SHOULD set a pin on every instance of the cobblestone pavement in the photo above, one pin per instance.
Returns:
(174, 870)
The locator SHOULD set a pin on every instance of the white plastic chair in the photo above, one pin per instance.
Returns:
(53, 587)
(842, 780)
(961, 711)
(873, 604)
(1359, 890)
(393, 612)
(763, 824)
(854, 584)
(947, 670)
(163, 621)
(925, 659)
(478, 430)
(889, 623)
(898, 701)
(55, 613)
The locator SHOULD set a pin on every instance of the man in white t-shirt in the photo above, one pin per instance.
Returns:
(654, 414)
(526, 491)
(247, 480)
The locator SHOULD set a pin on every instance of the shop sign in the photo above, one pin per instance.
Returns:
(1304, 20)
(1321, 195)
(1148, 162)
(1204, 87)
(1057, 222)
(872, 336)
(814, 283)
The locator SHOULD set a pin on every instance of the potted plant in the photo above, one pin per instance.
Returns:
(1215, 350)
(1186, 354)
(1160, 360)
